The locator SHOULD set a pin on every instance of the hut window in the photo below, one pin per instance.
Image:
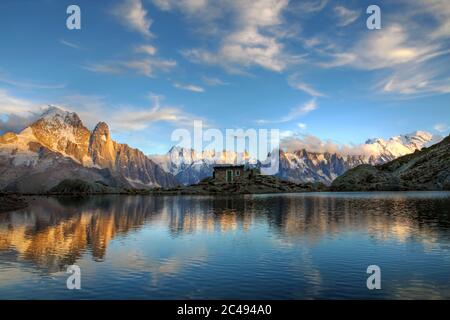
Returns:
(238, 173)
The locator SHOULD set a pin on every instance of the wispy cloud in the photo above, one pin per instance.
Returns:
(302, 126)
(133, 15)
(109, 68)
(146, 49)
(127, 118)
(17, 112)
(188, 87)
(212, 81)
(69, 44)
(311, 143)
(441, 127)
(346, 16)
(390, 48)
(254, 40)
(92, 109)
(294, 113)
(309, 6)
(148, 67)
(294, 82)
(143, 66)
(29, 84)
(405, 56)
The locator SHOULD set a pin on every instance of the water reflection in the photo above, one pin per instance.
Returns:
(55, 232)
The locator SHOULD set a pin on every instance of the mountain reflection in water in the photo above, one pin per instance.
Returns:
(299, 235)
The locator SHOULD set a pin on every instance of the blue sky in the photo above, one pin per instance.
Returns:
(308, 68)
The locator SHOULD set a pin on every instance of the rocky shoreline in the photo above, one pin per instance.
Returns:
(257, 185)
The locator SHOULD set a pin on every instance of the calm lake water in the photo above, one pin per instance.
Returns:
(296, 246)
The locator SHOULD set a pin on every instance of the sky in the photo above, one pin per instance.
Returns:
(311, 69)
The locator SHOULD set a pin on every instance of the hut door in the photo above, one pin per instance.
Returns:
(229, 175)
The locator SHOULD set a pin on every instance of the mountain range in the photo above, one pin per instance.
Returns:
(301, 166)
(427, 169)
(58, 147)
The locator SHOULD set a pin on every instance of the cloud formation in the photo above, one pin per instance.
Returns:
(441, 127)
(254, 38)
(346, 16)
(312, 143)
(147, 66)
(69, 44)
(133, 15)
(406, 55)
(294, 113)
(29, 84)
(188, 87)
(213, 82)
(295, 83)
(17, 113)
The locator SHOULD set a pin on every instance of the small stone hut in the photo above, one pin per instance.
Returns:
(232, 173)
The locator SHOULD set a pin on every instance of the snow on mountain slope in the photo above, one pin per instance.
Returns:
(190, 166)
(401, 145)
(61, 134)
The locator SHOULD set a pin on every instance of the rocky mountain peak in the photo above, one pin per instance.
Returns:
(101, 147)
(102, 127)
(58, 115)
(62, 131)
(73, 151)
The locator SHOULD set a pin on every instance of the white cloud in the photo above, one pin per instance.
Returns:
(294, 82)
(69, 44)
(16, 113)
(308, 89)
(188, 87)
(29, 84)
(190, 6)
(309, 6)
(439, 10)
(346, 16)
(130, 118)
(133, 15)
(386, 49)
(254, 39)
(145, 66)
(148, 67)
(109, 68)
(406, 56)
(299, 141)
(416, 80)
(441, 127)
(212, 81)
(295, 113)
(302, 126)
(147, 49)
(126, 118)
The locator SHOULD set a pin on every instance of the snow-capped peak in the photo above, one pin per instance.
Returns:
(401, 145)
(54, 111)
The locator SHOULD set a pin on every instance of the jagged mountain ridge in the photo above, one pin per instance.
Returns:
(301, 166)
(427, 169)
(58, 146)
